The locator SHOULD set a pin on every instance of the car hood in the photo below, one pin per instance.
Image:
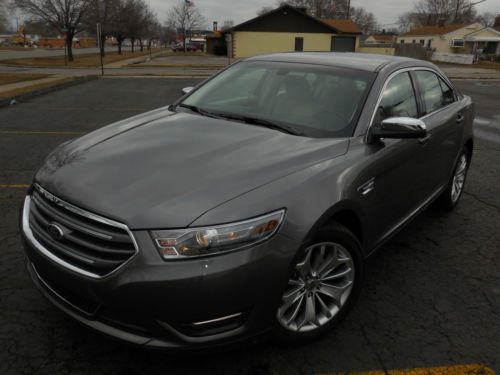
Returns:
(164, 170)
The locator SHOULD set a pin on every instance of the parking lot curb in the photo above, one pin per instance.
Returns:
(46, 90)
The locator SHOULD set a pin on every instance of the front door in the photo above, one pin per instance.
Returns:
(395, 166)
(299, 44)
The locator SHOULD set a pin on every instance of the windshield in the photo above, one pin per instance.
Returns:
(313, 100)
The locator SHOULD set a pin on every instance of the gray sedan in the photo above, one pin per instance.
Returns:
(248, 207)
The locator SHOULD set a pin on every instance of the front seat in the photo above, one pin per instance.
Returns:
(296, 103)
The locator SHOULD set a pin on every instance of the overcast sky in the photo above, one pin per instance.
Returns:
(386, 11)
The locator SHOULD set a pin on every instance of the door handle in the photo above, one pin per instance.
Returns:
(425, 139)
(460, 118)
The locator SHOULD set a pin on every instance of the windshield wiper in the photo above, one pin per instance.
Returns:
(261, 122)
(199, 110)
(246, 119)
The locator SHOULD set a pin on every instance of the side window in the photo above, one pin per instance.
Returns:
(435, 92)
(449, 95)
(398, 99)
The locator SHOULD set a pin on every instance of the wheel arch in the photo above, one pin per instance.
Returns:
(346, 213)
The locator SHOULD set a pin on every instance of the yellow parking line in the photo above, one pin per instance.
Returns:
(14, 186)
(30, 132)
(474, 369)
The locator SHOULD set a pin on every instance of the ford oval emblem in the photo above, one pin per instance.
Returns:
(55, 231)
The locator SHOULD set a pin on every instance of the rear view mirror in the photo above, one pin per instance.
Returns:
(398, 127)
(186, 90)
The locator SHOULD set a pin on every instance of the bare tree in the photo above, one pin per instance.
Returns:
(429, 12)
(119, 22)
(365, 20)
(39, 27)
(147, 27)
(102, 12)
(185, 17)
(167, 35)
(4, 19)
(154, 32)
(142, 22)
(326, 9)
(65, 16)
(487, 19)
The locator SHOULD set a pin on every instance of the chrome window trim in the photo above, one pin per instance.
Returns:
(68, 206)
(405, 70)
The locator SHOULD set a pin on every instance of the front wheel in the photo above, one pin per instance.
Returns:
(449, 199)
(323, 286)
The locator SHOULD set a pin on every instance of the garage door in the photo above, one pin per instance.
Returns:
(343, 44)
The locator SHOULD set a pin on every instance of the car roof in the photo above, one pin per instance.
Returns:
(360, 61)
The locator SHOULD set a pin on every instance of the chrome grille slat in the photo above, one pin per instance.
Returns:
(67, 250)
(89, 242)
(66, 219)
(95, 245)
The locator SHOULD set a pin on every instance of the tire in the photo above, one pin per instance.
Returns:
(450, 197)
(333, 241)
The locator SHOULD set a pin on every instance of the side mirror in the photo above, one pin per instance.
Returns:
(398, 127)
(186, 90)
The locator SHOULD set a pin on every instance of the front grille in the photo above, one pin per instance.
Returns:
(83, 240)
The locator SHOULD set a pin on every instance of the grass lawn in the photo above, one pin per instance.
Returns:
(6, 78)
(35, 87)
(81, 61)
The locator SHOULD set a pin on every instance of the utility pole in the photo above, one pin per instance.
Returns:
(101, 47)
(348, 9)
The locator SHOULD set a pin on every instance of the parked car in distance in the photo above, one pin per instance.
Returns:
(190, 47)
(248, 207)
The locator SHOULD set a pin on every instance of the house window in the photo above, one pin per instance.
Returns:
(429, 42)
(414, 41)
(457, 43)
(299, 44)
(402, 41)
(422, 41)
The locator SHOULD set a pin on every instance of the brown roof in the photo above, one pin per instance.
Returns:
(344, 26)
(436, 30)
(384, 37)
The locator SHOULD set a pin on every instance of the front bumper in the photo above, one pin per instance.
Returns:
(202, 302)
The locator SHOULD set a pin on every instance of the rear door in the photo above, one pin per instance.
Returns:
(443, 118)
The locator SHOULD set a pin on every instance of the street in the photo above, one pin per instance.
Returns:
(431, 296)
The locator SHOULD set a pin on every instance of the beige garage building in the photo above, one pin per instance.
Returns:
(288, 29)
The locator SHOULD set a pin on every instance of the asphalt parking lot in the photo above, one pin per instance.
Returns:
(432, 295)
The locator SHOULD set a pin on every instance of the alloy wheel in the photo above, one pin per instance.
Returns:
(319, 287)
(459, 178)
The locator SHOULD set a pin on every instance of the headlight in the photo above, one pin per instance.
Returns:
(192, 242)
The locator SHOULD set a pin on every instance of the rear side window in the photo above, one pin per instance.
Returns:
(398, 99)
(435, 92)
